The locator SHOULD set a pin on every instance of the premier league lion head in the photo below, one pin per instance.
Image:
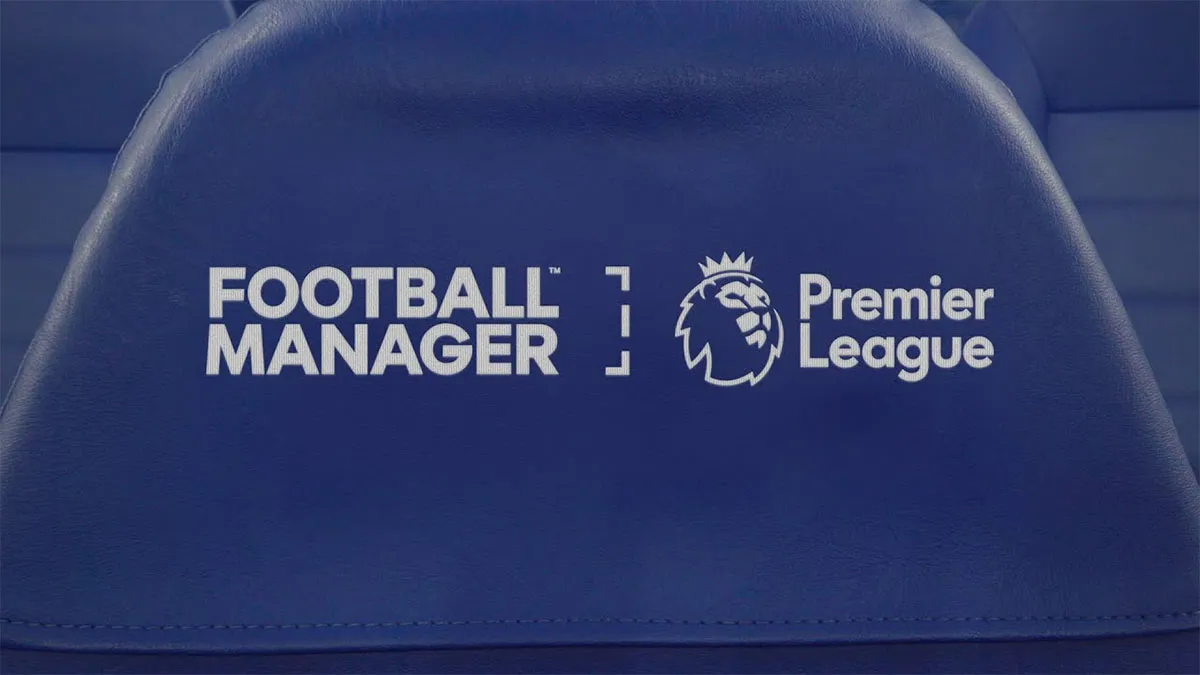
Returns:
(728, 324)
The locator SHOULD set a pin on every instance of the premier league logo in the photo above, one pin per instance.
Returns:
(728, 324)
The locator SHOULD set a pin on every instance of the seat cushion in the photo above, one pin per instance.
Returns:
(1135, 177)
(47, 198)
(599, 257)
(73, 78)
(1114, 89)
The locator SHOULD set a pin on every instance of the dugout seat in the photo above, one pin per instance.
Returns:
(631, 510)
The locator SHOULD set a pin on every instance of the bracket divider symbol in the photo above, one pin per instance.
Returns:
(623, 273)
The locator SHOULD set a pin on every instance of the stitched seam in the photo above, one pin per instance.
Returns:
(683, 622)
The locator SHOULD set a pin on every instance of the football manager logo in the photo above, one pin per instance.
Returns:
(728, 324)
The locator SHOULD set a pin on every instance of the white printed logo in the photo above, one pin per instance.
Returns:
(728, 324)
(382, 320)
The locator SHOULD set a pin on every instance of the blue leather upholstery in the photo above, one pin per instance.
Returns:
(1143, 653)
(150, 506)
(1114, 90)
(73, 78)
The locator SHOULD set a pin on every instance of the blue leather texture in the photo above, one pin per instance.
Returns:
(1160, 653)
(73, 78)
(1114, 88)
(150, 506)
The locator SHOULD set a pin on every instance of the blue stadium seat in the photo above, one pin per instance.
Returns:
(563, 336)
(1113, 89)
(73, 78)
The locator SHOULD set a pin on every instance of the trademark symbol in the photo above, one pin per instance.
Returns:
(555, 270)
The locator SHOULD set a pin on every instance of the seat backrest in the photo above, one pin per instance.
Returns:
(73, 78)
(413, 325)
(1114, 90)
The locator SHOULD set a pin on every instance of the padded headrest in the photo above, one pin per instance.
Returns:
(1124, 54)
(76, 74)
(549, 324)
